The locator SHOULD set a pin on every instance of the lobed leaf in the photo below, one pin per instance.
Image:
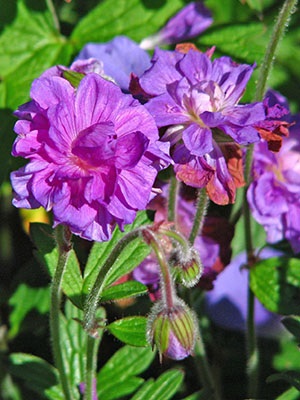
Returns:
(130, 330)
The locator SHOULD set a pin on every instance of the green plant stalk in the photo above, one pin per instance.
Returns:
(201, 208)
(173, 188)
(91, 366)
(167, 286)
(264, 73)
(51, 8)
(90, 323)
(63, 240)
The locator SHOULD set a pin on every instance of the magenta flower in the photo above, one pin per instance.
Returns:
(274, 194)
(189, 22)
(196, 99)
(93, 154)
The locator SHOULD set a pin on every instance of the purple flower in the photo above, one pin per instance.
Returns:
(197, 100)
(120, 58)
(226, 304)
(274, 194)
(93, 154)
(189, 22)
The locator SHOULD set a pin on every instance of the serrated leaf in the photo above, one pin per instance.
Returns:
(276, 283)
(162, 388)
(292, 377)
(123, 291)
(29, 45)
(130, 330)
(131, 256)
(249, 44)
(47, 254)
(133, 18)
(36, 298)
(125, 363)
(37, 374)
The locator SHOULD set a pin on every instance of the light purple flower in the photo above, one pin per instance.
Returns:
(189, 22)
(120, 58)
(93, 154)
(226, 304)
(197, 100)
(274, 194)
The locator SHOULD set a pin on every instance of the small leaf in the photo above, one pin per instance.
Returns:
(292, 324)
(37, 374)
(47, 254)
(125, 363)
(130, 330)
(36, 298)
(292, 377)
(123, 291)
(161, 389)
(276, 283)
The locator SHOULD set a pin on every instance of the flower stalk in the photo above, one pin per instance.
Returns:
(63, 240)
(201, 208)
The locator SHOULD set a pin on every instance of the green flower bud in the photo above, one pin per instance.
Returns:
(187, 268)
(172, 330)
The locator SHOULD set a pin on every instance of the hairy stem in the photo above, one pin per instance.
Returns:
(63, 239)
(201, 208)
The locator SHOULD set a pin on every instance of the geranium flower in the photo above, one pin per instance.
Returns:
(196, 99)
(189, 22)
(120, 58)
(93, 154)
(274, 194)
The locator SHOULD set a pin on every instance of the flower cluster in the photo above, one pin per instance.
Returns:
(274, 192)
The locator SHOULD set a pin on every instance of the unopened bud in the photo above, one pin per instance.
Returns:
(173, 330)
(187, 267)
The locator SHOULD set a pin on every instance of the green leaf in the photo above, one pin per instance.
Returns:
(292, 324)
(125, 364)
(249, 44)
(276, 283)
(131, 256)
(134, 18)
(288, 358)
(291, 377)
(123, 291)
(7, 137)
(290, 394)
(36, 298)
(130, 330)
(29, 45)
(37, 374)
(204, 394)
(162, 388)
(47, 254)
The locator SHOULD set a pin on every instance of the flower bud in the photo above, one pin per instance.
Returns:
(187, 267)
(173, 330)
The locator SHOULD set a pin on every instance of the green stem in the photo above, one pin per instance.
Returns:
(173, 188)
(91, 366)
(203, 369)
(277, 34)
(201, 208)
(63, 239)
(167, 286)
(54, 15)
(90, 322)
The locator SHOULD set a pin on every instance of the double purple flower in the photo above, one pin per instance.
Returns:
(93, 154)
